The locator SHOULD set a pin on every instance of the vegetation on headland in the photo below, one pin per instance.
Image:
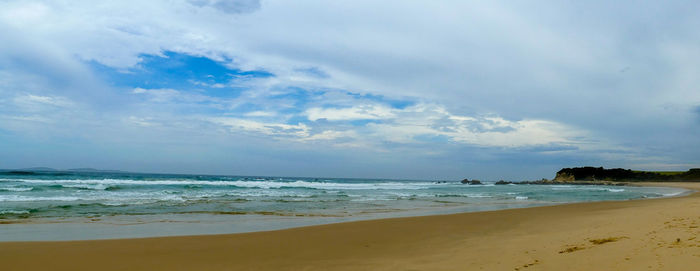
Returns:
(614, 176)
(588, 174)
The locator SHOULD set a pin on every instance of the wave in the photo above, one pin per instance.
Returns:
(263, 213)
(119, 198)
(265, 184)
(130, 198)
(13, 198)
(463, 195)
(14, 212)
(673, 194)
(586, 188)
(90, 186)
(16, 189)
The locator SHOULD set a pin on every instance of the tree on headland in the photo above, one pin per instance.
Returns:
(619, 174)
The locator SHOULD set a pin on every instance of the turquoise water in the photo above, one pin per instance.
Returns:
(55, 195)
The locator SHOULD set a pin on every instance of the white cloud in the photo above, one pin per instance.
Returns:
(204, 84)
(237, 125)
(27, 12)
(412, 125)
(139, 121)
(333, 135)
(261, 114)
(432, 120)
(229, 6)
(165, 95)
(523, 133)
(37, 102)
(24, 119)
(360, 112)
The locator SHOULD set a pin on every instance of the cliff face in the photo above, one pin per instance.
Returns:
(564, 177)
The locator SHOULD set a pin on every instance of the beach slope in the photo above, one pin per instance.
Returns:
(656, 234)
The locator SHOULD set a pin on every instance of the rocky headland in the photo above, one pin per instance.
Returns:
(602, 176)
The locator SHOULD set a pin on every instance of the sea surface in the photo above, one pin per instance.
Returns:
(112, 205)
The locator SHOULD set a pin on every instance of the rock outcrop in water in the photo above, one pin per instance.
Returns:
(472, 182)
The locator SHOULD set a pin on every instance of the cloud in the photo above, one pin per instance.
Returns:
(229, 6)
(143, 122)
(172, 95)
(272, 129)
(458, 79)
(31, 102)
(491, 131)
(413, 125)
(361, 112)
(38, 115)
(260, 114)
(334, 135)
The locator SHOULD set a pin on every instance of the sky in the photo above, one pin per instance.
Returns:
(369, 89)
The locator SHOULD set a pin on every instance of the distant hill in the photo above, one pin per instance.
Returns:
(37, 169)
(628, 175)
(95, 170)
(48, 170)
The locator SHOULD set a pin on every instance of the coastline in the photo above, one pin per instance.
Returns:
(621, 235)
(434, 201)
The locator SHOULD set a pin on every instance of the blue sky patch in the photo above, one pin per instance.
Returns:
(363, 122)
(395, 103)
(300, 96)
(181, 72)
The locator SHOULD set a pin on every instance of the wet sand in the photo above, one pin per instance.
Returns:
(654, 234)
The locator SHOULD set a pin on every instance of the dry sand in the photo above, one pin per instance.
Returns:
(656, 234)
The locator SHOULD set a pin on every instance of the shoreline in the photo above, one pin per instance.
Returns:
(201, 224)
(548, 237)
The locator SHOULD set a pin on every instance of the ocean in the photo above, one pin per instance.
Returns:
(114, 205)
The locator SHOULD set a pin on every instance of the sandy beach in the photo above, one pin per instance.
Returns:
(654, 234)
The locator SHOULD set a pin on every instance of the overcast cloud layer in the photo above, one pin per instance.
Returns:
(389, 89)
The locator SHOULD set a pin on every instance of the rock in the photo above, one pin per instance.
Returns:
(564, 177)
(472, 182)
(502, 182)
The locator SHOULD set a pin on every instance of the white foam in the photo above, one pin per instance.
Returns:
(478, 196)
(13, 212)
(16, 189)
(562, 187)
(673, 194)
(402, 195)
(27, 198)
(466, 195)
(371, 199)
(521, 198)
(242, 184)
(101, 197)
(87, 186)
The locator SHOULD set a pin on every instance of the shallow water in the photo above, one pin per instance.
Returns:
(125, 204)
